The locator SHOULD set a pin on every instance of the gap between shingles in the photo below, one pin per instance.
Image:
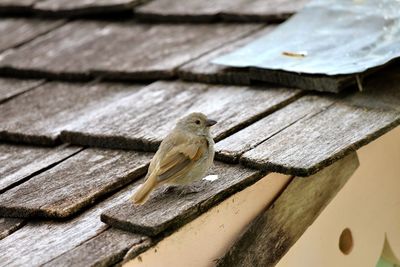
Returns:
(23, 180)
(260, 116)
(305, 117)
(107, 227)
(19, 226)
(42, 82)
(233, 130)
(62, 23)
(96, 199)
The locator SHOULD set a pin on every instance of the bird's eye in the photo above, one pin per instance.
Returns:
(197, 122)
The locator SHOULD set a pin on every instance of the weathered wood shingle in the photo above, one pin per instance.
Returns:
(39, 116)
(84, 7)
(206, 11)
(19, 163)
(74, 184)
(141, 120)
(19, 30)
(314, 131)
(202, 70)
(138, 51)
(106, 249)
(309, 145)
(39, 242)
(9, 226)
(233, 147)
(316, 82)
(164, 211)
(65, 8)
(12, 87)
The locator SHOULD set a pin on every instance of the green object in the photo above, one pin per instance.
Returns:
(383, 263)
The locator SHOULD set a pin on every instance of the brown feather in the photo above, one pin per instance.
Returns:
(178, 161)
(143, 192)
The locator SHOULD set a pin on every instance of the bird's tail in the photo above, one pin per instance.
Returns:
(142, 193)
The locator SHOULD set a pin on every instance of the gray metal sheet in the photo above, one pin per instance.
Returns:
(327, 37)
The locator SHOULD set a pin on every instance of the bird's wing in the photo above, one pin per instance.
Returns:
(178, 161)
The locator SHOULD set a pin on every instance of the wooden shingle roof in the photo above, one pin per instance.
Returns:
(85, 102)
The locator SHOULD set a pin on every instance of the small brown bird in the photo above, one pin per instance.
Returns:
(183, 157)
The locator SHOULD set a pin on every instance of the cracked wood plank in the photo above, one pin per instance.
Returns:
(138, 51)
(202, 70)
(170, 210)
(84, 7)
(10, 88)
(20, 163)
(234, 146)
(39, 242)
(39, 116)
(274, 232)
(20, 31)
(74, 184)
(106, 249)
(158, 106)
(9, 226)
(207, 11)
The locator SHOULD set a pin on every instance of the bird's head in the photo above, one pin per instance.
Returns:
(196, 123)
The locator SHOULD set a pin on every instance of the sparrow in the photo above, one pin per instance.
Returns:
(184, 156)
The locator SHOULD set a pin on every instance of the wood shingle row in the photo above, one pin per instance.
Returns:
(72, 152)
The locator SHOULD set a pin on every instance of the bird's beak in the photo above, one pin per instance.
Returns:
(210, 123)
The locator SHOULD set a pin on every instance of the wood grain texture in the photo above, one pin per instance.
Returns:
(74, 184)
(20, 163)
(83, 7)
(9, 226)
(170, 210)
(12, 87)
(39, 242)
(39, 116)
(202, 70)
(138, 51)
(272, 234)
(106, 249)
(206, 11)
(322, 83)
(309, 145)
(234, 146)
(20, 31)
(141, 120)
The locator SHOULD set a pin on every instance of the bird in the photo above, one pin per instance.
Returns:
(183, 157)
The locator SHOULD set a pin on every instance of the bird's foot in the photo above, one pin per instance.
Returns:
(190, 189)
(169, 189)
